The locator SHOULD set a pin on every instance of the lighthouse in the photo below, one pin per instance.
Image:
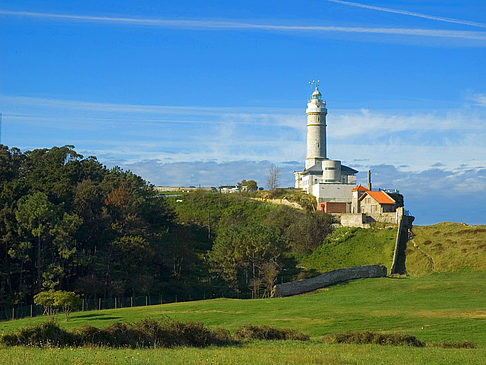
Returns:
(328, 180)
(316, 129)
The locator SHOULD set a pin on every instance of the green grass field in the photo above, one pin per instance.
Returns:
(272, 352)
(437, 307)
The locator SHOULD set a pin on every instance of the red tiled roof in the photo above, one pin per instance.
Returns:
(360, 188)
(380, 196)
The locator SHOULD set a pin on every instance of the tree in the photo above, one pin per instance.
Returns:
(67, 301)
(243, 254)
(36, 214)
(273, 175)
(248, 185)
(53, 299)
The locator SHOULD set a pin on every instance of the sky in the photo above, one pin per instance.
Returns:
(210, 93)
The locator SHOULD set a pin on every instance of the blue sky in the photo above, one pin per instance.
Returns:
(209, 93)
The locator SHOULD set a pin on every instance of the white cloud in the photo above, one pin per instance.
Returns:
(410, 13)
(186, 133)
(235, 25)
(480, 99)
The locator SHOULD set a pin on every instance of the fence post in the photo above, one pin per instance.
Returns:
(82, 305)
(116, 302)
(160, 298)
(131, 301)
(13, 312)
(31, 310)
(176, 298)
(146, 300)
(99, 303)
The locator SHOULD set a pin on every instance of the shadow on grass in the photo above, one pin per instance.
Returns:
(95, 316)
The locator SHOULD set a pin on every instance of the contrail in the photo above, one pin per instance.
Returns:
(418, 15)
(232, 25)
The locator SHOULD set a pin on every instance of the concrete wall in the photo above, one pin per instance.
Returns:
(332, 192)
(328, 278)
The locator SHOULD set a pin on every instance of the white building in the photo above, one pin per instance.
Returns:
(327, 180)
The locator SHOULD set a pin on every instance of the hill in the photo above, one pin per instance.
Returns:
(349, 246)
(446, 247)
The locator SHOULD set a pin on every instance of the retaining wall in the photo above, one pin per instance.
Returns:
(328, 278)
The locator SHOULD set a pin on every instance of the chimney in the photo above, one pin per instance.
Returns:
(369, 179)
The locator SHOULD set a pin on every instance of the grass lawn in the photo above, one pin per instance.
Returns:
(272, 352)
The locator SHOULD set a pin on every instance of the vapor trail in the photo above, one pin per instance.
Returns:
(232, 25)
(405, 12)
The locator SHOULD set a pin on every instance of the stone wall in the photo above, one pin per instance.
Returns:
(328, 278)
(281, 202)
(398, 266)
(354, 220)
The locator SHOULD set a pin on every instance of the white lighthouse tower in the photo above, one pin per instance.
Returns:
(328, 180)
(316, 129)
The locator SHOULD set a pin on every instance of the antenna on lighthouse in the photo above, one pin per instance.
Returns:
(314, 83)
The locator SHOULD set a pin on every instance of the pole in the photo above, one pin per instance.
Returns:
(99, 303)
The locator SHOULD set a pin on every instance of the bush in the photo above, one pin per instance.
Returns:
(145, 333)
(268, 333)
(368, 337)
(46, 334)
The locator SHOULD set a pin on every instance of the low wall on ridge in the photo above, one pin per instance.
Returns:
(328, 278)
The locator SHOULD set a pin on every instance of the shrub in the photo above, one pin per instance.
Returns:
(46, 334)
(368, 337)
(269, 333)
(145, 333)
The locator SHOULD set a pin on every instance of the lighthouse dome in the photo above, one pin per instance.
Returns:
(316, 94)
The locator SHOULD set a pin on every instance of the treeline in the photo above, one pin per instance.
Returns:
(69, 223)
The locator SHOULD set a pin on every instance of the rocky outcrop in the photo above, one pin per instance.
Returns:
(328, 278)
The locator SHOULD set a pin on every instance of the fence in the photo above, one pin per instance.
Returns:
(32, 310)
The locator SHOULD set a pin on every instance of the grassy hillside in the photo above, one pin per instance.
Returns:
(447, 306)
(436, 307)
(446, 247)
(347, 247)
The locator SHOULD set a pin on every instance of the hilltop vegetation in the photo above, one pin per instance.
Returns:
(254, 242)
(446, 247)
